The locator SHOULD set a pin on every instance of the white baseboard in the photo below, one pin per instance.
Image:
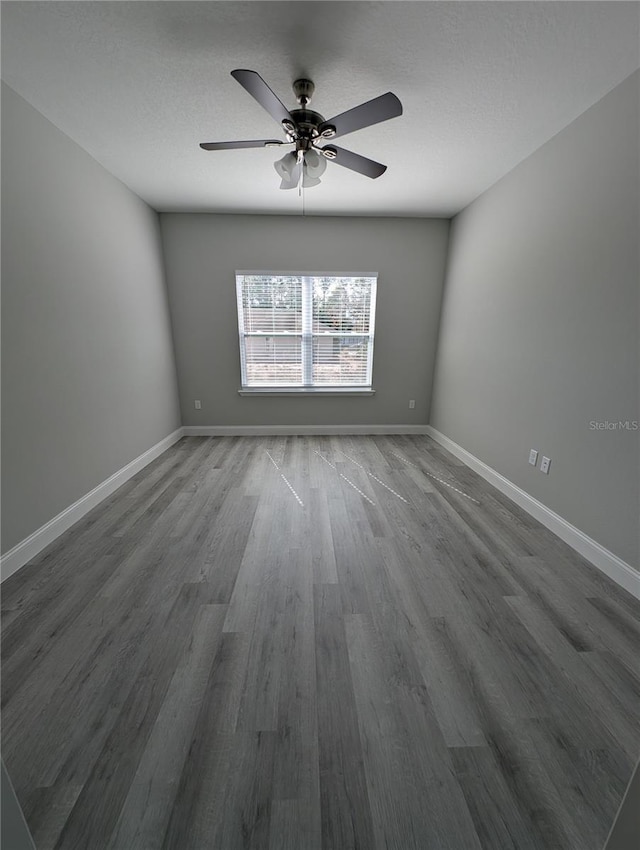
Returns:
(613, 566)
(297, 430)
(46, 534)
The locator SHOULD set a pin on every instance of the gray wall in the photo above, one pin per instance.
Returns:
(88, 376)
(202, 253)
(539, 329)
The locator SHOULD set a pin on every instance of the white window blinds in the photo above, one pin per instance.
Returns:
(306, 330)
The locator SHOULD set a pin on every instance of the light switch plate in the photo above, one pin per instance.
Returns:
(533, 457)
(545, 464)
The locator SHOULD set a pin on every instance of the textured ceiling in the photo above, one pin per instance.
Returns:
(483, 84)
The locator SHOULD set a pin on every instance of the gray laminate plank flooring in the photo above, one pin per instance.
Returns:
(316, 643)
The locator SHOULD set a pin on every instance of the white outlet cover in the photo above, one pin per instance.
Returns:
(545, 464)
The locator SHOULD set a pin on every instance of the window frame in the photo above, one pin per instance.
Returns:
(306, 337)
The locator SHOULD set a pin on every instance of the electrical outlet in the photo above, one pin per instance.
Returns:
(197, 404)
(412, 403)
(533, 457)
(545, 464)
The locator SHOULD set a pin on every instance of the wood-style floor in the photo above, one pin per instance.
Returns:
(316, 643)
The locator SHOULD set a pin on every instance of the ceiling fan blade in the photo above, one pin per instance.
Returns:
(257, 88)
(253, 143)
(372, 112)
(356, 162)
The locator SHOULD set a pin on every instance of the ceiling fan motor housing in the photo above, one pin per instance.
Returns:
(307, 122)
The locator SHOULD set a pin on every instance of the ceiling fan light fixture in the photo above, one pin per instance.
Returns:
(284, 167)
(288, 169)
(308, 182)
(314, 166)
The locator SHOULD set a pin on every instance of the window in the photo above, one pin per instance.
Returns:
(306, 332)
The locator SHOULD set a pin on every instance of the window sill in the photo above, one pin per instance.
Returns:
(309, 391)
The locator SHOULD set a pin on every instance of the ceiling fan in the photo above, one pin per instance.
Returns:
(308, 130)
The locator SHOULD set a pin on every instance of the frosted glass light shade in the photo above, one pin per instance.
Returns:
(315, 165)
(289, 170)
